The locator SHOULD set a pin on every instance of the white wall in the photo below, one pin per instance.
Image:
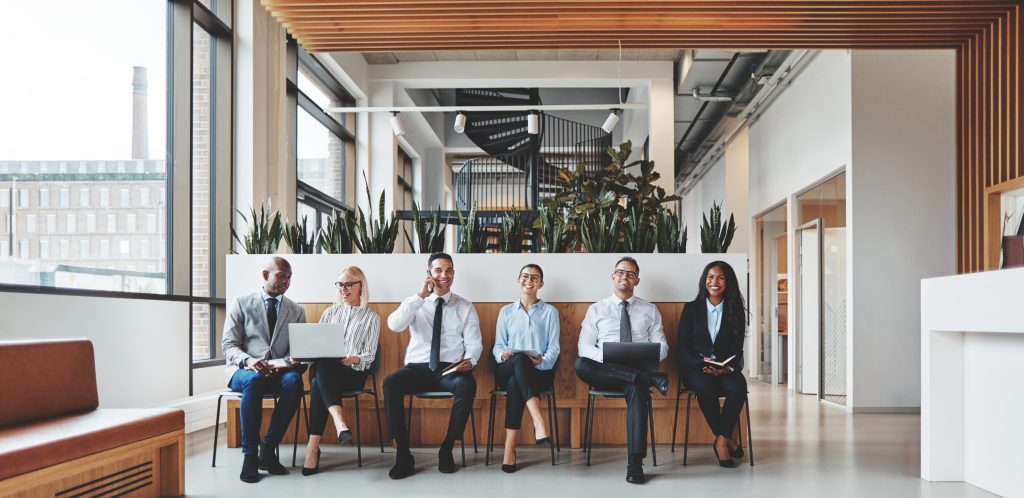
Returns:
(141, 346)
(901, 214)
(696, 202)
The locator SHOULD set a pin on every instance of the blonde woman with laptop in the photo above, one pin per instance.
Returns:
(333, 376)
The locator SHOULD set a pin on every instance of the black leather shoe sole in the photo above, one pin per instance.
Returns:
(274, 470)
(404, 467)
(635, 478)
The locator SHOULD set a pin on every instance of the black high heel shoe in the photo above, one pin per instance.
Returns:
(737, 453)
(727, 463)
(509, 468)
(306, 471)
(544, 440)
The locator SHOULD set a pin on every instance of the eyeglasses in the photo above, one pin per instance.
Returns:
(527, 276)
(627, 273)
(347, 285)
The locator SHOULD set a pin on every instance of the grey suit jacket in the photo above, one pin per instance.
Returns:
(246, 335)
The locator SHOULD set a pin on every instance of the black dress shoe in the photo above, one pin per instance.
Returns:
(659, 381)
(544, 440)
(306, 471)
(404, 466)
(250, 469)
(270, 463)
(445, 461)
(345, 437)
(635, 470)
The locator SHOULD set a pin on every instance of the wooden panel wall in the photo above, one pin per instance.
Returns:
(985, 33)
(431, 417)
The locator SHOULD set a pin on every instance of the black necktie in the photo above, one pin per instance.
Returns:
(435, 338)
(625, 331)
(272, 314)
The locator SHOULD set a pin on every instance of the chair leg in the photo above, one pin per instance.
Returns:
(472, 420)
(654, 444)
(686, 428)
(554, 430)
(750, 437)
(586, 425)
(216, 431)
(359, 432)
(675, 420)
(298, 420)
(462, 445)
(551, 430)
(408, 418)
(590, 429)
(376, 409)
(490, 432)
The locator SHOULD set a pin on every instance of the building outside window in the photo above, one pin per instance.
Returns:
(65, 197)
(83, 249)
(71, 224)
(51, 223)
(44, 197)
(83, 197)
(104, 197)
(130, 223)
(23, 249)
(44, 249)
(111, 223)
(90, 223)
(30, 223)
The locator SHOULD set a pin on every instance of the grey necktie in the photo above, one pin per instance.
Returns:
(435, 338)
(625, 331)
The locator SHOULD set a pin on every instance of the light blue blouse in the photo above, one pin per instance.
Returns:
(536, 329)
(714, 319)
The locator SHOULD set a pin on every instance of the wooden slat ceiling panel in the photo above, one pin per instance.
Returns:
(986, 35)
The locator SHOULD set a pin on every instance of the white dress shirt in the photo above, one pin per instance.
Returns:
(460, 328)
(601, 324)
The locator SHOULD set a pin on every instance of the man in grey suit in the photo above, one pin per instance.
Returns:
(255, 333)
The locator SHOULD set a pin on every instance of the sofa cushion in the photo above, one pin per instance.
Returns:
(37, 445)
(55, 377)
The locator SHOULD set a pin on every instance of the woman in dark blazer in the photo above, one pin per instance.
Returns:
(711, 328)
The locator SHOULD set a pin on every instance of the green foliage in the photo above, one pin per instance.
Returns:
(513, 231)
(599, 232)
(474, 236)
(715, 237)
(375, 236)
(639, 233)
(670, 238)
(429, 232)
(264, 230)
(336, 237)
(556, 230)
(299, 239)
(624, 190)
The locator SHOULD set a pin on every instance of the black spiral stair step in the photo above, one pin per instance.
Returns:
(498, 96)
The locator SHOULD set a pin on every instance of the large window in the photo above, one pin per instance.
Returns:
(114, 75)
(324, 143)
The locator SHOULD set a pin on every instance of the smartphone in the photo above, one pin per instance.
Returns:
(430, 286)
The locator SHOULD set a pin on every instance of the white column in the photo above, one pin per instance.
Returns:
(661, 116)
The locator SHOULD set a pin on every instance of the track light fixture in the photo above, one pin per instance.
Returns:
(396, 125)
(460, 123)
(533, 123)
(611, 121)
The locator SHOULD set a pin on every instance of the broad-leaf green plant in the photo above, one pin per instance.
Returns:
(264, 230)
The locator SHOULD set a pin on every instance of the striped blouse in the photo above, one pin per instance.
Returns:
(362, 330)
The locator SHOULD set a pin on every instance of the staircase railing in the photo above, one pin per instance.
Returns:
(519, 182)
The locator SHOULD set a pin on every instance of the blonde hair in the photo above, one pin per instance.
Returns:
(364, 287)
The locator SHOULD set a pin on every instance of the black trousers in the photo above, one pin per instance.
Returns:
(325, 390)
(634, 384)
(709, 388)
(522, 381)
(417, 377)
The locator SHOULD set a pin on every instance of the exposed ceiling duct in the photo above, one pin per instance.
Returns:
(713, 88)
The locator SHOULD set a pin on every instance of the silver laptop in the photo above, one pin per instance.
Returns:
(640, 355)
(314, 341)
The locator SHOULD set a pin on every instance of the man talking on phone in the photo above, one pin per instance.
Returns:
(444, 346)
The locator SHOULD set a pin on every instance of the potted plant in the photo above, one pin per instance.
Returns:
(429, 232)
(714, 236)
(671, 239)
(336, 236)
(264, 230)
(299, 239)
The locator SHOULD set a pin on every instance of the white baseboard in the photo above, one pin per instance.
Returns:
(886, 409)
(200, 411)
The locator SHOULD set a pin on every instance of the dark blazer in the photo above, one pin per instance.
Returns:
(694, 340)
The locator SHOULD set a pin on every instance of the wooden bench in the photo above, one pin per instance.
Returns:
(54, 440)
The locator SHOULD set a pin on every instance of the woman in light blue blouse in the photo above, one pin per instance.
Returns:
(525, 349)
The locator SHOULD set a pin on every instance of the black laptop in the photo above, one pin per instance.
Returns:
(639, 355)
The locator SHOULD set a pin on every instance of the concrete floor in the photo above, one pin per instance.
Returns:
(801, 448)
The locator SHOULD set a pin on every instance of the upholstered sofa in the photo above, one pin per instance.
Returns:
(54, 440)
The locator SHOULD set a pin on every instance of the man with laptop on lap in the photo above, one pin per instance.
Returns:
(616, 353)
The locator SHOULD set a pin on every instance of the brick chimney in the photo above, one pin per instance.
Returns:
(140, 118)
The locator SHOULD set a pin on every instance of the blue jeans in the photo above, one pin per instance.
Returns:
(287, 386)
